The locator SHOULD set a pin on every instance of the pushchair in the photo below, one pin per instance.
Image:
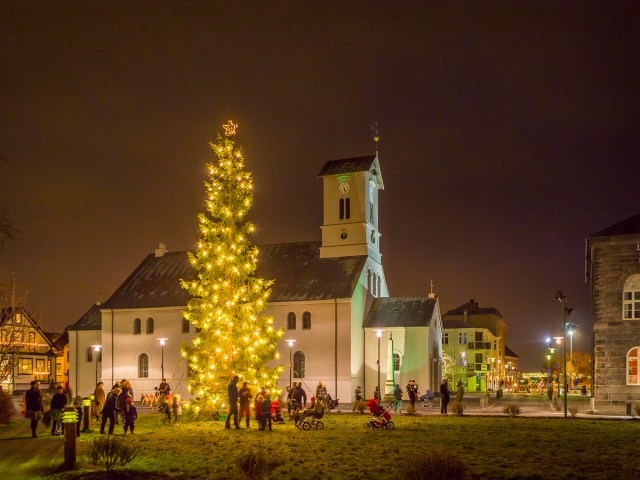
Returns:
(309, 418)
(381, 416)
(426, 400)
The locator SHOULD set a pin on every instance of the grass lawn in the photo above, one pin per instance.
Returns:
(489, 447)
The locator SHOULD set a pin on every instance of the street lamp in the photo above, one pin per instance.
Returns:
(290, 342)
(97, 348)
(379, 334)
(162, 342)
(566, 311)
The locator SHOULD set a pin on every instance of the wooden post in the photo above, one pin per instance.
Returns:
(69, 420)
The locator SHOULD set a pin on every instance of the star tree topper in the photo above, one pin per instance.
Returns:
(230, 128)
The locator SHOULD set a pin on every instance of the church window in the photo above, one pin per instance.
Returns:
(298, 365)
(369, 280)
(342, 209)
(89, 354)
(306, 321)
(291, 321)
(347, 208)
(150, 325)
(137, 326)
(143, 366)
(373, 278)
(632, 366)
(379, 279)
(185, 325)
(445, 338)
(631, 298)
(396, 362)
(462, 338)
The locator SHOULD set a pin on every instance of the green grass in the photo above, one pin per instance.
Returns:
(490, 448)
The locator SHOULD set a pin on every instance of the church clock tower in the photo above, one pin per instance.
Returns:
(350, 226)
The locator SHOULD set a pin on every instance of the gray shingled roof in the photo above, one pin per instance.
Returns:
(347, 165)
(299, 274)
(91, 320)
(455, 323)
(400, 312)
(630, 226)
(473, 308)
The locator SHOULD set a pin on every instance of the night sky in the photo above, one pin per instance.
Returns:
(509, 133)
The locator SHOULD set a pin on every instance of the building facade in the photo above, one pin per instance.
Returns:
(613, 273)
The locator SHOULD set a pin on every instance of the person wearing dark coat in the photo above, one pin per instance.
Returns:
(298, 395)
(444, 396)
(266, 413)
(233, 395)
(58, 402)
(130, 414)
(33, 406)
(109, 410)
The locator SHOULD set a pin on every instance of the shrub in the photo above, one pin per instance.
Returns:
(512, 410)
(457, 408)
(7, 408)
(110, 451)
(434, 465)
(573, 410)
(256, 463)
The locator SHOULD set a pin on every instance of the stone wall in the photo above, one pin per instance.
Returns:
(613, 260)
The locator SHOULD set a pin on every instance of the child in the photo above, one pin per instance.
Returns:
(266, 413)
(78, 409)
(257, 408)
(176, 408)
(130, 414)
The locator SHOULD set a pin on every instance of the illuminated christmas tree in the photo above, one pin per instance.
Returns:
(227, 298)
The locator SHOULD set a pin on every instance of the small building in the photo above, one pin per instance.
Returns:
(613, 273)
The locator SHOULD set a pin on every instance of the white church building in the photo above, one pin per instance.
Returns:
(330, 297)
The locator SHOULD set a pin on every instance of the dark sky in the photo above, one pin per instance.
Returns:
(509, 133)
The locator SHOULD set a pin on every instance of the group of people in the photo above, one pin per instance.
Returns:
(266, 411)
(34, 409)
(117, 403)
(445, 396)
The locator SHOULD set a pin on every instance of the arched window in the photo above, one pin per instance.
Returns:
(396, 362)
(298, 365)
(369, 280)
(137, 326)
(185, 325)
(149, 325)
(143, 366)
(347, 208)
(379, 280)
(631, 298)
(342, 209)
(291, 321)
(306, 321)
(89, 354)
(373, 279)
(632, 366)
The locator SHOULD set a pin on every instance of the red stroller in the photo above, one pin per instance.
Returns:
(381, 417)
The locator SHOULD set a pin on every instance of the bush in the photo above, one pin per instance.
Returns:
(434, 465)
(512, 410)
(110, 451)
(457, 408)
(256, 463)
(7, 408)
(573, 410)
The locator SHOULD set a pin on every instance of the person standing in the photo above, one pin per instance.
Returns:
(321, 393)
(58, 402)
(164, 388)
(266, 413)
(412, 391)
(444, 396)
(397, 393)
(98, 400)
(176, 408)
(109, 410)
(245, 402)
(129, 414)
(459, 392)
(33, 406)
(232, 396)
(358, 399)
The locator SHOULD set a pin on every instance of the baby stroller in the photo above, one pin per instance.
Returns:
(426, 400)
(381, 416)
(310, 417)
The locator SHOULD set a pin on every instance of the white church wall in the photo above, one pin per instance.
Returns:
(122, 348)
(82, 373)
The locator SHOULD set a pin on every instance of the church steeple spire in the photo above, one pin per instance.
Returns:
(374, 128)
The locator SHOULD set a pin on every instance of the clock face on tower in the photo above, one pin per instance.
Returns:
(344, 188)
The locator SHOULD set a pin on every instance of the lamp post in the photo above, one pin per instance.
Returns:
(96, 348)
(290, 342)
(566, 311)
(162, 342)
(379, 335)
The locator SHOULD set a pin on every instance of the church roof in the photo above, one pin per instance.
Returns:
(455, 323)
(630, 226)
(91, 320)
(347, 165)
(400, 312)
(299, 273)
